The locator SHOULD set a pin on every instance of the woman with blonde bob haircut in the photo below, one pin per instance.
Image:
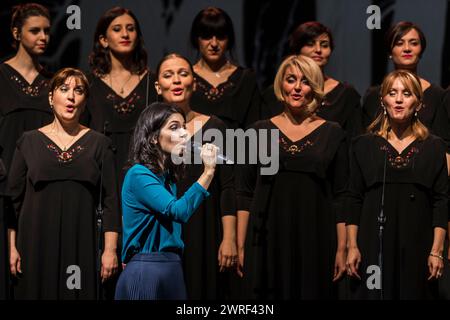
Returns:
(296, 242)
(400, 162)
(311, 72)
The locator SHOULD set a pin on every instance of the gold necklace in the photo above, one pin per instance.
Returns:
(123, 84)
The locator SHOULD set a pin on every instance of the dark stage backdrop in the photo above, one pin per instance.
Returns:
(262, 28)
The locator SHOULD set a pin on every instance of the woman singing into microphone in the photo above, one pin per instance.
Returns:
(152, 214)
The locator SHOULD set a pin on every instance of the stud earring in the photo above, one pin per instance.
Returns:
(415, 114)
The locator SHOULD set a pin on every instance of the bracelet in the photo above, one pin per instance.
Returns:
(437, 256)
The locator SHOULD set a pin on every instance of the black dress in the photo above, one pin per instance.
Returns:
(415, 202)
(116, 116)
(203, 233)
(236, 101)
(291, 238)
(55, 194)
(341, 105)
(432, 114)
(23, 107)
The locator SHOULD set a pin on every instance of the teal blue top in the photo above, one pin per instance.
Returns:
(152, 215)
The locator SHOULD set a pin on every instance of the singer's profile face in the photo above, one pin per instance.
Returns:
(176, 81)
(121, 35)
(35, 35)
(213, 48)
(406, 51)
(319, 49)
(68, 100)
(400, 102)
(296, 89)
(173, 135)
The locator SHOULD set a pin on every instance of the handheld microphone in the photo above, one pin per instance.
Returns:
(197, 147)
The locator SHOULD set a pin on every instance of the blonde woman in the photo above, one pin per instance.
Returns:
(296, 242)
(400, 155)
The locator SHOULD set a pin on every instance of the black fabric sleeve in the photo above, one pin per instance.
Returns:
(226, 178)
(440, 189)
(111, 212)
(441, 121)
(254, 112)
(355, 192)
(16, 187)
(339, 171)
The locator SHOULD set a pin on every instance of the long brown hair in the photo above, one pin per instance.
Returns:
(100, 60)
(381, 125)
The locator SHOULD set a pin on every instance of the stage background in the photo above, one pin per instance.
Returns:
(262, 28)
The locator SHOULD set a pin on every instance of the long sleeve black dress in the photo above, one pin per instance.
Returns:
(23, 106)
(237, 102)
(291, 237)
(415, 203)
(203, 233)
(55, 194)
(116, 116)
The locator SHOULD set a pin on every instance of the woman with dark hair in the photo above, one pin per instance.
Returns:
(210, 236)
(152, 213)
(341, 102)
(23, 102)
(54, 184)
(405, 44)
(121, 84)
(400, 169)
(223, 88)
(295, 248)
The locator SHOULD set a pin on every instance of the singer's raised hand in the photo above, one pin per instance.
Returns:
(209, 156)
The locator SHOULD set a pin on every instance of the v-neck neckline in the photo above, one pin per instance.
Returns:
(302, 138)
(131, 92)
(220, 84)
(18, 74)
(409, 146)
(69, 147)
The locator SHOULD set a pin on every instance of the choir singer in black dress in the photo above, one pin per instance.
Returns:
(400, 168)
(54, 185)
(295, 246)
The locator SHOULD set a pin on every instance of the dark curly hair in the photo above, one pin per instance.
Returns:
(147, 129)
(307, 32)
(100, 60)
(22, 12)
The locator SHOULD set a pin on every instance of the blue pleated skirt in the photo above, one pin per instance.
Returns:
(152, 276)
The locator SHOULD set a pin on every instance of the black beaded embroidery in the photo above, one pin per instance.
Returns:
(65, 156)
(124, 107)
(399, 161)
(30, 90)
(293, 148)
(214, 93)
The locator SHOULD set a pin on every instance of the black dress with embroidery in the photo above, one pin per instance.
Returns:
(119, 114)
(415, 202)
(341, 105)
(23, 107)
(291, 238)
(236, 102)
(432, 114)
(55, 193)
(203, 233)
